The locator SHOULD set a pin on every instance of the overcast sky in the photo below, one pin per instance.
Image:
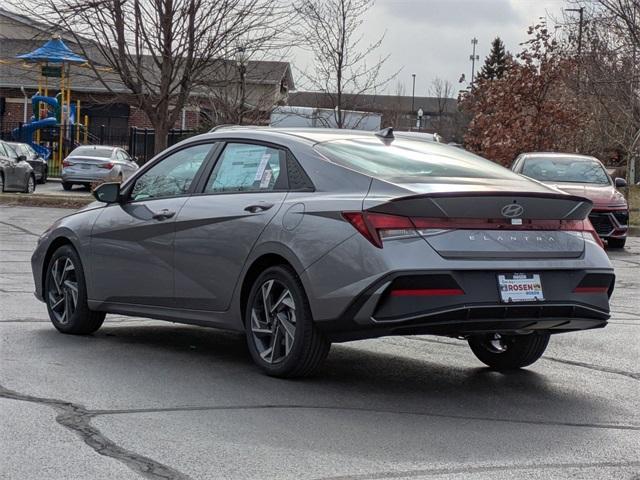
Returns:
(432, 38)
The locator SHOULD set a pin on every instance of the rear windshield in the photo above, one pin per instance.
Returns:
(565, 170)
(92, 152)
(408, 161)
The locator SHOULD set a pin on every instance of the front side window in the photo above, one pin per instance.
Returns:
(565, 170)
(173, 175)
(245, 168)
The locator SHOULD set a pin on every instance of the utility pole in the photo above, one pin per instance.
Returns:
(413, 91)
(631, 162)
(581, 12)
(473, 57)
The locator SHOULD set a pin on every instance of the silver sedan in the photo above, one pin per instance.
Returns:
(96, 163)
(301, 238)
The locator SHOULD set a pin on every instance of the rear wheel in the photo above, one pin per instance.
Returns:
(66, 294)
(1, 183)
(509, 352)
(67, 186)
(282, 337)
(617, 242)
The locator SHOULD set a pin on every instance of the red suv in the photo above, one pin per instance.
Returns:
(586, 177)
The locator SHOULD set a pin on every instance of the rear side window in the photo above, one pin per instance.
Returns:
(407, 161)
(246, 167)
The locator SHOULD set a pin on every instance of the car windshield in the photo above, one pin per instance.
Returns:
(92, 152)
(565, 170)
(408, 161)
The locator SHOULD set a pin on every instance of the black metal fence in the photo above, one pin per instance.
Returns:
(142, 141)
(139, 142)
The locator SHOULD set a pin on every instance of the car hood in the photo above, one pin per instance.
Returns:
(602, 196)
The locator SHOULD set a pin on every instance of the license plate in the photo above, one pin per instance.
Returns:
(85, 167)
(520, 287)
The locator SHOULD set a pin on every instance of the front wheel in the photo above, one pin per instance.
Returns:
(282, 337)
(67, 186)
(509, 352)
(30, 187)
(66, 294)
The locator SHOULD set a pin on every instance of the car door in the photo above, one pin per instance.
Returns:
(16, 172)
(218, 227)
(132, 242)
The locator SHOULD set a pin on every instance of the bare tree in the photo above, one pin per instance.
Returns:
(442, 91)
(331, 29)
(161, 50)
(608, 78)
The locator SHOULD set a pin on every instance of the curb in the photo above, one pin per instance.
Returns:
(36, 200)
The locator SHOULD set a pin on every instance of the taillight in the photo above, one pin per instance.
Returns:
(376, 227)
(108, 165)
(66, 163)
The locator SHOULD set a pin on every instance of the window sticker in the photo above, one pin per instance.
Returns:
(266, 179)
(262, 166)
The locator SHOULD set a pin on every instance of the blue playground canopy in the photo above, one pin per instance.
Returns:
(54, 51)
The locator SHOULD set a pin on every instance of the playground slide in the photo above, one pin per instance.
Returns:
(26, 134)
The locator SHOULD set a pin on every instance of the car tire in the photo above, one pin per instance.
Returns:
(617, 242)
(67, 186)
(65, 293)
(43, 178)
(31, 185)
(509, 352)
(1, 183)
(286, 343)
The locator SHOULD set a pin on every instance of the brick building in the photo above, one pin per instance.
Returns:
(114, 109)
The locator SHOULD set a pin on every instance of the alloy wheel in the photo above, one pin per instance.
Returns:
(273, 321)
(31, 185)
(63, 289)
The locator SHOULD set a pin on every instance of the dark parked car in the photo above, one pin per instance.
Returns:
(15, 173)
(584, 176)
(301, 238)
(39, 164)
(96, 163)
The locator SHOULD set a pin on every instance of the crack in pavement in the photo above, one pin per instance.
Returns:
(607, 426)
(77, 418)
(635, 376)
(22, 229)
(598, 368)
(478, 469)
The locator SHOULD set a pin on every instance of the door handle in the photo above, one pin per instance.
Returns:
(163, 215)
(259, 207)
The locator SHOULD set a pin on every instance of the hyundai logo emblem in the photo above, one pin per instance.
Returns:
(512, 210)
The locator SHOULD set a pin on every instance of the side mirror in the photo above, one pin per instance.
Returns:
(107, 192)
(22, 158)
(620, 182)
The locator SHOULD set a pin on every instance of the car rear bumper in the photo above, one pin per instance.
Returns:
(349, 291)
(612, 223)
(572, 302)
(71, 175)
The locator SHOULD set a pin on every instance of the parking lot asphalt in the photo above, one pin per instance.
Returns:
(149, 399)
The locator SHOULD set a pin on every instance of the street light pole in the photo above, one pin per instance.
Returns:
(413, 91)
(241, 60)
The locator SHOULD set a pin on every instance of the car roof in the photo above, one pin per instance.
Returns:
(315, 135)
(561, 156)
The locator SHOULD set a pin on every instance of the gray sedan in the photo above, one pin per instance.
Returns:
(96, 163)
(301, 238)
(15, 172)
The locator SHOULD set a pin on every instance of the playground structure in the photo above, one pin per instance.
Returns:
(55, 115)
